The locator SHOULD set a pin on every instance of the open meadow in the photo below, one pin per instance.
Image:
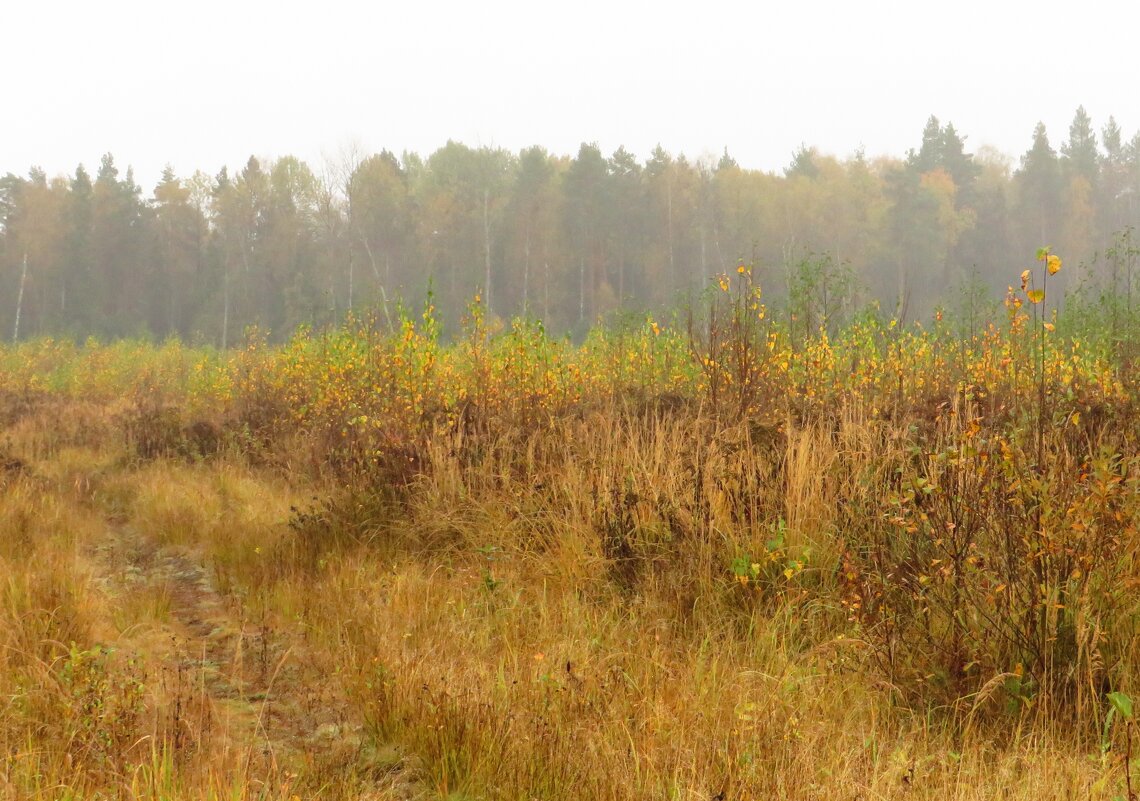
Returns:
(729, 558)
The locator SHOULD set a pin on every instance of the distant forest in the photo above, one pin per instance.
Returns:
(565, 239)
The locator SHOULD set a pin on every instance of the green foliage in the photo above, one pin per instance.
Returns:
(821, 295)
(570, 239)
(1122, 703)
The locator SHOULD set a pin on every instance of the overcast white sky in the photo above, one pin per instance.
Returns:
(206, 83)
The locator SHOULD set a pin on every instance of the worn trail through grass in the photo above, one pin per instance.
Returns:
(239, 690)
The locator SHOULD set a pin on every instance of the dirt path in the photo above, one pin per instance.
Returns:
(230, 691)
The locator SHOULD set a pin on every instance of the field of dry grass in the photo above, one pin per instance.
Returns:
(285, 586)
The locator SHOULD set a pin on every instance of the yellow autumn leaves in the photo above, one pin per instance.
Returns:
(1052, 267)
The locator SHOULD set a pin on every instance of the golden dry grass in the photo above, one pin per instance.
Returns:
(544, 613)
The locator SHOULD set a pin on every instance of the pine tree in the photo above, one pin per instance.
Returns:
(1080, 151)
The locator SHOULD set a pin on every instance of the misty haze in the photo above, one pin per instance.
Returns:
(568, 239)
(742, 403)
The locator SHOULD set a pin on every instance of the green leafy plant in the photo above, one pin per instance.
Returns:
(1120, 707)
(772, 569)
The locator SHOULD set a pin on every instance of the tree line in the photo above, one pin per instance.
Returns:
(566, 239)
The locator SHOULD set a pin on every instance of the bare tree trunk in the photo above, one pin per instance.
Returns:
(581, 288)
(226, 307)
(371, 258)
(669, 227)
(903, 290)
(387, 316)
(704, 257)
(350, 277)
(20, 299)
(526, 273)
(376, 275)
(621, 276)
(487, 249)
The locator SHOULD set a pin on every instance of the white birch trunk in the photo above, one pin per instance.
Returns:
(20, 299)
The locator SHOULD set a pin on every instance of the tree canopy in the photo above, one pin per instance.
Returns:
(279, 244)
